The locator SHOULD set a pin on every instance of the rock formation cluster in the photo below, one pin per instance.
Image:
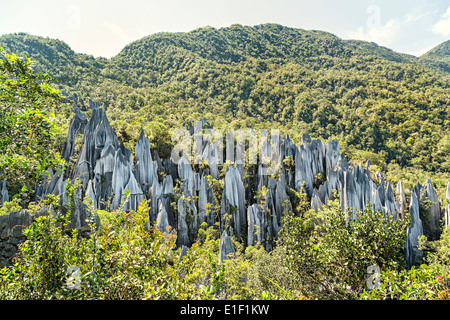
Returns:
(253, 200)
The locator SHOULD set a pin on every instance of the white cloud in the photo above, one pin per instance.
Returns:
(117, 31)
(442, 27)
(395, 30)
(385, 35)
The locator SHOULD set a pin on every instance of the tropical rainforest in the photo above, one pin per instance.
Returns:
(381, 105)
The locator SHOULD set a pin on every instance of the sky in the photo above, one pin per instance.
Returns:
(103, 28)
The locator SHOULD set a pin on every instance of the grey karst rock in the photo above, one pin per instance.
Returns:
(233, 202)
(205, 196)
(40, 189)
(255, 227)
(268, 156)
(377, 205)
(93, 104)
(349, 197)
(203, 146)
(282, 200)
(390, 201)
(106, 170)
(342, 162)
(363, 186)
(183, 252)
(412, 252)
(57, 183)
(316, 203)
(447, 194)
(123, 180)
(11, 234)
(289, 146)
(371, 192)
(332, 155)
(166, 166)
(155, 194)
(146, 168)
(90, 193)
(240, 158)
(161, 193)
(98, 133)
(162, 218)
(303, 172)
(401, 199)
(271, 216)
(187, 176)
(432, 226)
(382, 192)
(368, 164)
(167, 185)
(76, 127)
(100, 187)
(183, 230)
(161, 165)
(306, 138)
(4, 195)
(214, 160)
(52, 184)
(166, 201)
(261, 177)
(79, 211)
(193, 224)
(229, 147)
(13, 224)
(226, 248)
(317, 148)
(333, 182)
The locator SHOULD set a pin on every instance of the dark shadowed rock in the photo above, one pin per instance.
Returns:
(76, 127)
(433, 218)
(412, 252)
(123, 180)
(255, 225)
(4, 195)
(146, 168)
(98, 133)
(233, 202)
(226, 248)
(401, 199)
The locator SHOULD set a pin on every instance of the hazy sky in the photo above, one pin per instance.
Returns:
(103, 28)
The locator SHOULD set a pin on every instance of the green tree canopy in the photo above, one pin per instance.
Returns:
(27, 127)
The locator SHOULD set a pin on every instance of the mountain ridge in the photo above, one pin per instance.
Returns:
(385, 104)
(361, 45)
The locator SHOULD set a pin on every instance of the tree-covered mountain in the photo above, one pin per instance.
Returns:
(390, 107)
(438, 57)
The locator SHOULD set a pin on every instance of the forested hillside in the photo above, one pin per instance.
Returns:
(438, 58)
(381, 105)
(93, 207)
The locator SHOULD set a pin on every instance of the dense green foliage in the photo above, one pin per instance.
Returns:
(27, 126)
(121, 259)
(385, 106)
(381, 105)
(438, 57)
(318, 256)
(329, 253)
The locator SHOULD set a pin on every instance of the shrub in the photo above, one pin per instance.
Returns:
(423, 283)
(329, 253)
(123, 259)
